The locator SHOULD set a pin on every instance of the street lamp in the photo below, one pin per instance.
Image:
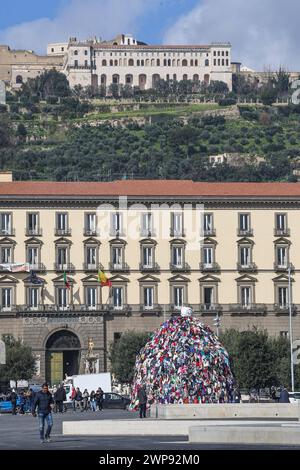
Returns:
(291, 328)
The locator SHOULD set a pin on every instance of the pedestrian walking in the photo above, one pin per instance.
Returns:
(72, 396)
(43, 402)
(13, 399)
(93, 403)
(99, 398)
(78, 399)
(22, 403)
(85, 400)
(59, 398)
(142, 397)
(284, 395)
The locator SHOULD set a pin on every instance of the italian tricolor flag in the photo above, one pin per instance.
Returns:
(66, 281)
(103, 279)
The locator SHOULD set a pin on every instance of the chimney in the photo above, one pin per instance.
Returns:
(6, 176)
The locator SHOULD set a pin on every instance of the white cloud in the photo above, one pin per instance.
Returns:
(80, 18)
(264, 33)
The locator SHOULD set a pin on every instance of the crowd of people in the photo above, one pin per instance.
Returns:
(84, 401)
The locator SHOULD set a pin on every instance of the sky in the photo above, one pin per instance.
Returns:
(264, 33)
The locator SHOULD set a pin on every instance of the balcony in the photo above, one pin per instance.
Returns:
(210, 308)
(210, 232)
(87, 232)
(250, 309)
(38, 267)
(59, 309)
(155, 309)
(119, 267)
(182, 267)
(147, 233)
(92, 267)
(177, 232)
(151, 267)
(282, 232)
(117, 233)
(81, 67)
(11, 309)
(124, 308)
(283, 268)
(209, 267)
(33, 232)
(62, 232)
(7, 232)
(245, 232)
(64, 267)
(283, 309)
(246, 268)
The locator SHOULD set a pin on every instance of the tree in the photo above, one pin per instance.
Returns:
(49, 83)
(5, 131)
(268, 94)
(20, 363)
(123, 354)
(21, 131)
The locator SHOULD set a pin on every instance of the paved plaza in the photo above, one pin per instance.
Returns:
(21, 432)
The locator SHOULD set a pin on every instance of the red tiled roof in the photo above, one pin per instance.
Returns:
(149, 188)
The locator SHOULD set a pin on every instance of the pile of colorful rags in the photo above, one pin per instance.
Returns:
(183, 362)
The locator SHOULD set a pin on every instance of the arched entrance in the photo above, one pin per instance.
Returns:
(62, 356)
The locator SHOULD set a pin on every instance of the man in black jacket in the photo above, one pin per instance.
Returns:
(13, 399)
(60, 397)
(43, 401)
(142, 397)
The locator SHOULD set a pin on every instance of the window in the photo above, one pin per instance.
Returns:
(116, 223)
(178, 293)
(86, 63)
(245, 256)
(176, 224)
(117, 257)
(91, 257)
(62, 225)
(148, 297)
(117, 296)
(177, 256)
(6, 298)
(33, 257)
(104, 63)
(208, 256)
(184, 63)
(91, 297)
(62, 257)
(208, 224)
(85, 52)
(6, 254)
(282, 257)
(284, 334)
(62, 297)
(90, 224)
(52, 49)
(281, 222)
(75, 52)
(283, 297)
(147, 253)
(76, 63)
(208, 297)
(206, 63)
(147, 225)
(244, 225)
(33, 223)
(246, 297)
(6, 224)
(33, 297)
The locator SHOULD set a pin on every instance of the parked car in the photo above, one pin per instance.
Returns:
(294, 397)
(114, 400)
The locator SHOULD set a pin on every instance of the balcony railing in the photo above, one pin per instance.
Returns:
(116, 233)
(210, 308)
(38, 267)
(250, 267)
(256, 309)
(118, 267)
(10, 232)
(210, 232)
(12, 308)
(153, 309)
(283, 267)
(283, 309)
(147, 232)
(61, 232)
(242, 232)
(177, 232)
(183, 267)
(119, 308)
(55, 308)
(64, 267)
(209, 267)
(33, 232)
(93, 267)
(282, 232)
(151, 267)
(87, 232)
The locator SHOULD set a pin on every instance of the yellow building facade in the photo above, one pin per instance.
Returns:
(230, 250)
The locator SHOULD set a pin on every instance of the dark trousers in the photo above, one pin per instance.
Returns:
(143, 410)
(14, 408)
(60, 406)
